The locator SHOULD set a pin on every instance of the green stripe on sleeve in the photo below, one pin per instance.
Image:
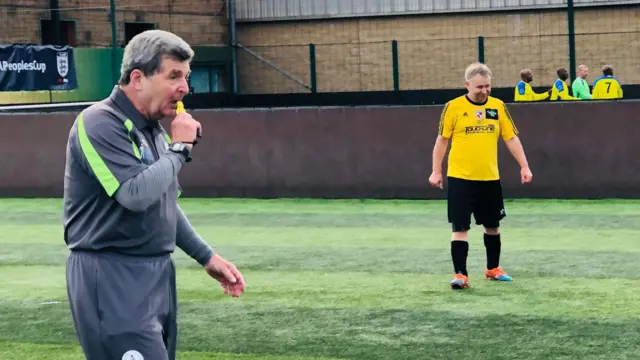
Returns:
(129, 126)
(99, 168)
(166, 137)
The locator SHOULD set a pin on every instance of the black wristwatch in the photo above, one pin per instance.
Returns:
(181, 148)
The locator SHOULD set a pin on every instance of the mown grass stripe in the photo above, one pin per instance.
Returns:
(540, 296)
(536, 206)
(623, 240)
(575, 263)
(373, 221)
(362, 334)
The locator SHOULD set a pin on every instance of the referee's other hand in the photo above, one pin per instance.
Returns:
(436, 180)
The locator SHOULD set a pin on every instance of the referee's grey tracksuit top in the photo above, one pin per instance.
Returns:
(121, 185)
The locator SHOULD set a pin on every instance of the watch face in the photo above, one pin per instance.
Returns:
(177, 146)
(181, 148)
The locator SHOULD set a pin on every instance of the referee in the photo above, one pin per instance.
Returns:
(474, 123)
(121, 217)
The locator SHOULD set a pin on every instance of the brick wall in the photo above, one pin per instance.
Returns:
(192, 20)
(355, 54)
(22, 24)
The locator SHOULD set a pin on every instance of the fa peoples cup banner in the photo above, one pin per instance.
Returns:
(37, 68)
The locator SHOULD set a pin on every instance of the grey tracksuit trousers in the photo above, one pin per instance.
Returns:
(123, 307)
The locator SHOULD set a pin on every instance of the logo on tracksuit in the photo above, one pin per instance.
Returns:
(146, 153)
(132, 355)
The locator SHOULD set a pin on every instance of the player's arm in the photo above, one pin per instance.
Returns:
(563, 92)
(439, 150)
(111, 158)
(445, 131)
(535, 96)
(509, 133)
(586, 94)
(554, 91)
(566, 96)
(541, 96)
(517, 151)
(190, 242)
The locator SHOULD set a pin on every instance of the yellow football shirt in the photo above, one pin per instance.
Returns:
(524, 92)
(474, 130)
(561, 91)
(607, 87)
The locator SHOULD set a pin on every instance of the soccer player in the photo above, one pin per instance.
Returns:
(607, 86)
(524, 92)
(474, 123)
(121, 216)
(559, 89)
(580, 87)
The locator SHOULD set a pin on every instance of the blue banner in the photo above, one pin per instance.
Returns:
(37, 68)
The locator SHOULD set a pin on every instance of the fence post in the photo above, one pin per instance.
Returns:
(55, 21)
(312, 68)
(396, 65)
(481, 49)
(231, 13)
(114, 42)
(572, 40)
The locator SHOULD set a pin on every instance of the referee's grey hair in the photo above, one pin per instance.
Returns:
(146, 50)
(477, 69)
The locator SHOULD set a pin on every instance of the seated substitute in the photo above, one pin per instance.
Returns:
(607, 86)
(560, 89)
(524, 92)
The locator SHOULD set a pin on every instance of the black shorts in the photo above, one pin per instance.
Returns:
(483, 199)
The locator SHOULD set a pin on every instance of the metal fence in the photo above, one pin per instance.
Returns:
(351, 54)
(431, 52)
(420, 64)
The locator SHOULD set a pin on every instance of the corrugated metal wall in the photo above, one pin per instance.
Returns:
(297, 9)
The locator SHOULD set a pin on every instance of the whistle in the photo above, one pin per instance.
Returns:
(179, 108)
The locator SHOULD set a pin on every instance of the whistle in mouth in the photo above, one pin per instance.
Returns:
(179, 108)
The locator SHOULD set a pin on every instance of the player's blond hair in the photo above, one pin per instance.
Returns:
(477, 69)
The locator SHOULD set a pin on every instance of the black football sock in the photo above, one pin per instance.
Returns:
(493, 245)
(459, 252)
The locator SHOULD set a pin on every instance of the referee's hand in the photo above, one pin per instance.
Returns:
(184, 128)
(227, 275)
(436, 180)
